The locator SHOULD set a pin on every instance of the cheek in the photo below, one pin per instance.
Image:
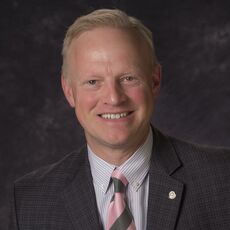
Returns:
(84, 101)
(141, 96)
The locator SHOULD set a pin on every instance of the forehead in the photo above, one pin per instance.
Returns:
(107, 50)
(107, 39)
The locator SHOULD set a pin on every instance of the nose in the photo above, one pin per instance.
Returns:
(114, 94)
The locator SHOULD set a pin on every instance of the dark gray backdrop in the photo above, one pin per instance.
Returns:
(192, 41)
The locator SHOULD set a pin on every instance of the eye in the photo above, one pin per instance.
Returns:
(92, 82)
(128, 78)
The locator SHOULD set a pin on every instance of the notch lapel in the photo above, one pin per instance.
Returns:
(163, 206)
(80, 201)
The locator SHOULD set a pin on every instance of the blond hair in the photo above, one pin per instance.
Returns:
(111, 18)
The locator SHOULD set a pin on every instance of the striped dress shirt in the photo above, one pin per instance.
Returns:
(135, 169)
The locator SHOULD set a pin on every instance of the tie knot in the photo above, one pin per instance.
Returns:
(119, 180)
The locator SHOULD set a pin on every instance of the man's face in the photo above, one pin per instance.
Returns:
(112, 88)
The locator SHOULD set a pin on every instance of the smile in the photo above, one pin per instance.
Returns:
(114, 116)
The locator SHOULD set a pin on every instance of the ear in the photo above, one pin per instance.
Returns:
(68, 91)
(156, 79)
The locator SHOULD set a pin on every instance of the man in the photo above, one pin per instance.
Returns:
(111, 77)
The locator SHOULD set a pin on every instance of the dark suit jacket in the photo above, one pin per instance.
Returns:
(61, 196)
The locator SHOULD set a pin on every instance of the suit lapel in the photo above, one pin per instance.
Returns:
(162, 208)
(80, 200)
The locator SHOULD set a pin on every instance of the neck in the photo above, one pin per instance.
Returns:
(115, 155)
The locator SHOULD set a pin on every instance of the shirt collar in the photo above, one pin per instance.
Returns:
(134, 169)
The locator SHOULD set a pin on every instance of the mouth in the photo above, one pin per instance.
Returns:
(114, 116)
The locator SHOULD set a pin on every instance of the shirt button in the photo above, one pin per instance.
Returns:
(172, 195)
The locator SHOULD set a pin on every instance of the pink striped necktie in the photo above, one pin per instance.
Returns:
(119, 215)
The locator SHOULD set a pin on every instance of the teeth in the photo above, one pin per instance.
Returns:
(114, 115)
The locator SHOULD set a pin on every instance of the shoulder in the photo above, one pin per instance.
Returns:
(194, 153)
(194, 160)
(191, 154)
(56, 175)
(200, 164)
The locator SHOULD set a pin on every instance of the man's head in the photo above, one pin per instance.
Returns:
(112, 83)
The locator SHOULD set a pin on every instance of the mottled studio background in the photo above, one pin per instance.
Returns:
(37, 127)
